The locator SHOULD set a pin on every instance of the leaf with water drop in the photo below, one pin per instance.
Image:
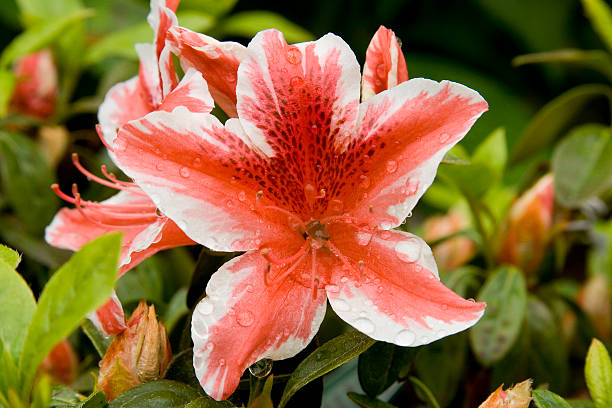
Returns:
(330, 355)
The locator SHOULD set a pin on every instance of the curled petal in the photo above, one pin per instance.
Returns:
(191, 93)
(109, 317)
(242, 321)
(402, 135)
(217, 61)
(399, 298)
(385, 66)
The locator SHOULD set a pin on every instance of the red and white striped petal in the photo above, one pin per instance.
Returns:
(291, 97)
(191, 93)
(402, 135)
(399, 299)
(242, 321)
(143, 233)
(217, 61)
(161, 19)
(123, 102)
(204, 176)
(109, 318)
(385, 66)
(149, 74)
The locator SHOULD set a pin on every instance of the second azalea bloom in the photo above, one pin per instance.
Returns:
(310, 183)
(36, 90)
(526, 232)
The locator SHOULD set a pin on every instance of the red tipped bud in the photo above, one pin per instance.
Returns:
(36, 89)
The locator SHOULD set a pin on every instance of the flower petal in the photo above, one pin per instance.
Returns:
(191, 93)
(242, 321)
(123, 102)
(217, 61)
(294, 97)
(149, 74)
(399, 298)
(385, 65)
(402, 136)
(204, 176)
(109, 318)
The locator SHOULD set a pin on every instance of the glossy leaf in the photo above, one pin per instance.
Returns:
(505, 293)
(600, 15)
(215, 8)
(95, 400)
(37, 10)
(26, 178)
(549, 123)
(368, 402)
(598, 374)
(548, 399)
(207, 402)
(99, 342)
(248, 23)
(17, 304)
(580, 403)
(381, 365)
(330, 355)
(157, 394)
(181, 369)
(177, 308)
(84, 283)
(39, 36)
(582, 164)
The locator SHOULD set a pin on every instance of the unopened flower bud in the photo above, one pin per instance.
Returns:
(61, 364)
(526, 232)
(139, 354)
(36, 88)
(518, 396)
(455, 251)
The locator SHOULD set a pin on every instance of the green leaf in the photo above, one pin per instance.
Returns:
(39, 36)
(549, 123)
(493, 153)
(598, 374)
(381, 365)
(82, 284)
(505, 293)
(195, 20)
(424, 393)
(547, 399)
(368, 402)
(601, 18)
(581, 403)
(157, 394)
(17, 304)
(177, 308)
(38, 10)
(119, 43)
(26, 180)
(330, 355)
(213, 7)
(9, 257)
(41, 395)
(452, 158)
(181, 369)
(9, 375)
(99, 342)
(7, 85)
(248, 23)
(582, 164)
(207, 402)
(95, 400)
(595, 59)
(264, 399)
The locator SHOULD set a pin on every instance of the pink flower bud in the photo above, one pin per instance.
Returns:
(61, 364)
(36, 89)
(526, 232)
(139, 354)
(455, 251)
(518, 396)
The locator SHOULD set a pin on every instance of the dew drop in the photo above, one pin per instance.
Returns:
(364, 325)
(205, 307)
(344, 279)
(445, 307)
(391, 166)
(294, 56)
(184, 172)
(229, 203)
(444, 137)
(242, 196)
(249, 288)
(341, 305)
(405, 338)
(385, 235)
(363, 238)
(381, 70)
(221, 362)
(211, 52)
(245, 318)
(332, 288)
(296, 81)
(210, 346)
(380, 289)
(408, 251)
(159, 166)
(412, 186)
(336, 205)
(261, 368)
(197, 161)
(364, 181)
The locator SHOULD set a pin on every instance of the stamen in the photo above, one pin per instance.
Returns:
(353, 220)
(276, 261)
(114, 178)
(91, 176)
(101, 136)
(345, 261)
(312, 275)
(108, 208)
(283, 275)
(292, 216)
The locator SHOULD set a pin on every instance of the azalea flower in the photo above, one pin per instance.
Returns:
(36, 89)
(310, 183)
(146, 230)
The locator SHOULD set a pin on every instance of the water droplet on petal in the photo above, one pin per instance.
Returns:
(445, 307)
(364, 181)
(229, 203)
(364, 325)
(184, 172)
(221, 362)
(444, 137)
(294, 56)
(344, 279)
(391, 166)
(205, 307)
(242, 196)
(159, 166)
(380, 289)
(332, 288)
(249, 288)
(120, 144)
(261, 368)
(408, 251)
(363, 238)
(405, 338)
(381, 70)
(245, 318)
(210, 346)
(412, 186)
(296, 81)
(341, 306)
(197, 161)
